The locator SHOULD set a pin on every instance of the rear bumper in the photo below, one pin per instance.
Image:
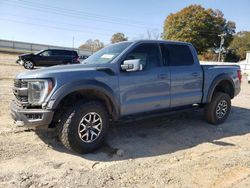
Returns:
(30, 117)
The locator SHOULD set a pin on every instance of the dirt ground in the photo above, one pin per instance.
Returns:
(180, 150)
(8, 58)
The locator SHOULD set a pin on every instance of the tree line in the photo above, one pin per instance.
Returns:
(199, 26)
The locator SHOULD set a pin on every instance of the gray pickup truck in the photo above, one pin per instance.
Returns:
(123, 80)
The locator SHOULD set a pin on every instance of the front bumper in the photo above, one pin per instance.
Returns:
(19, 61)
(30, 117)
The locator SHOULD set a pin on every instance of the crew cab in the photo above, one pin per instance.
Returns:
(48, 57)
(123, 80)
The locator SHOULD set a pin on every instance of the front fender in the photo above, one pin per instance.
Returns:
(66, 89)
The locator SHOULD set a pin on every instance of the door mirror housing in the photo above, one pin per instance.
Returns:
(132, 65)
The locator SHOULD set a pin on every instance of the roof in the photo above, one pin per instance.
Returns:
(163, 41)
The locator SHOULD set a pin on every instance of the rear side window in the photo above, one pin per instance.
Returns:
(178, 55)
(74, 53)
(64, 53)
(70, 53)
(55, 52)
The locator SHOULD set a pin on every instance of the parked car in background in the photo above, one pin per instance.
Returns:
(48, 57)
(82, 57)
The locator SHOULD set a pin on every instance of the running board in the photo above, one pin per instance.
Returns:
(153, 114)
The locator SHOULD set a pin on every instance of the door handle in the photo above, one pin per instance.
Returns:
(195, 74)
(162, 76)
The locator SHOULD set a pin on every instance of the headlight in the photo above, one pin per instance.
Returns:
(38, 90)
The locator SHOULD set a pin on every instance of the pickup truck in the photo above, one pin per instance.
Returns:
(121, 81)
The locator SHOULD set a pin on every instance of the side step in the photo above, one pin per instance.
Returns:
(149, 115)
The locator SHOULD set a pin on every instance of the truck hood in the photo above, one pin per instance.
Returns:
(54, 71)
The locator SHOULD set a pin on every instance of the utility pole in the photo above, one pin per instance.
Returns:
(73, 42)
(221, 43)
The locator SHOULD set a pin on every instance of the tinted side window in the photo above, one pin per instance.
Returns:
(55, 52)
(61, 52)
(68, 53)
(46, 53)
(179, 55)
(164, 54)
(74, 53)
(149, 55)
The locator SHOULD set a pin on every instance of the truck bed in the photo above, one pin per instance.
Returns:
(212, 70)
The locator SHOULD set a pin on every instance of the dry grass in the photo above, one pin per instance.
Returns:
(8, 58)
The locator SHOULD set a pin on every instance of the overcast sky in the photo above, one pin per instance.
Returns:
(57, 22)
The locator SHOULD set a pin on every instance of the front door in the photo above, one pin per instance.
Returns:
(148, 89)
(44, 58)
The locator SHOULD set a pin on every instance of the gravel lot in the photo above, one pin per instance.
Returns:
(180, 150)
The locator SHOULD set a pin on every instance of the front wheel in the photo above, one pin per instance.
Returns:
(28, 65)
(218, 109)
(83, 127)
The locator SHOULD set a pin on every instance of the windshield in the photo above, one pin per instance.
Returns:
(107, 54)
(38, 52)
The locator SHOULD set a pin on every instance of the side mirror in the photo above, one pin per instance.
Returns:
(132, 65)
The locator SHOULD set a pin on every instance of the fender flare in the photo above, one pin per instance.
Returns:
(216, 81)
(82, 85)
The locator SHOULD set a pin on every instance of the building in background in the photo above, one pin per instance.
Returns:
(26, 47)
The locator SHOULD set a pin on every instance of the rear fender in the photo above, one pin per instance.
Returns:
(215, 83)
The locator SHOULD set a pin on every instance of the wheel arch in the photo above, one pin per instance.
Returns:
(222, 83)
(86, 90)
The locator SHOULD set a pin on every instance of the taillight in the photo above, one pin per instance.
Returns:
(239, 75)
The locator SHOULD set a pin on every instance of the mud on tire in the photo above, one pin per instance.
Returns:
(80, 123)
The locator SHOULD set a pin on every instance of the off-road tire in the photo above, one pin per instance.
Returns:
(67, 128)
(210, 108)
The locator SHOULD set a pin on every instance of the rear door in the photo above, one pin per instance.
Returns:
(58, 57)
(148, 89)
(186, 75)
(66, 57)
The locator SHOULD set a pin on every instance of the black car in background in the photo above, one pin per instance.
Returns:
(83, 57)
(49, 57)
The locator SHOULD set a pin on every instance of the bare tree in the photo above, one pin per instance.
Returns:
(92, 45)
(153, 34)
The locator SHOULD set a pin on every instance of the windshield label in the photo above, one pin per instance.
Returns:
(107, 56)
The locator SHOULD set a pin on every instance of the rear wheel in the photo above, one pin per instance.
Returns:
(28, 65)
(83, 127)
(218, 109)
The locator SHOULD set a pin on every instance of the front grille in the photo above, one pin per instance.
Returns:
(20, 91)
(23, 99)
(20, 84)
